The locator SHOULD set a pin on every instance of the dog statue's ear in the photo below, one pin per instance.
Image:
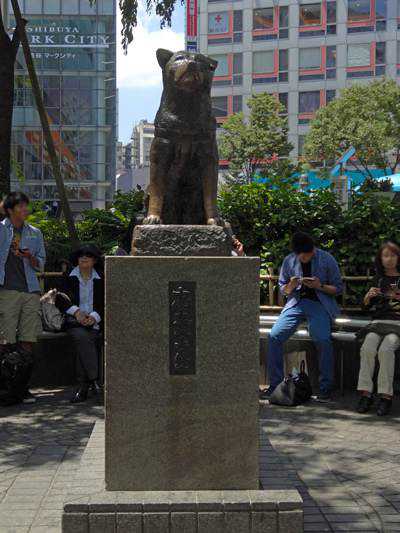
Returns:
(163, 56)
(213, 64)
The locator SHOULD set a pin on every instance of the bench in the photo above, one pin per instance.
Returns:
(344, 340)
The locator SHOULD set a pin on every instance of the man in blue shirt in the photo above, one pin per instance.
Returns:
(22, 255)
(310, 279)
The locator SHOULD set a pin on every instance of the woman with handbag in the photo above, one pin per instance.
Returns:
(85, 310)
(382, 335)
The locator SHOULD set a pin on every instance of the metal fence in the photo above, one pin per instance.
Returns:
(275, 301)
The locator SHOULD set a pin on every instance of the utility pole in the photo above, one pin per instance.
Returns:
(45, 125)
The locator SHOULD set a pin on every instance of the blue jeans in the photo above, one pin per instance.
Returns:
(319, 323)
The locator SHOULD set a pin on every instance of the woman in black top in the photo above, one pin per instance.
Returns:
(85, 312)
(383, 337)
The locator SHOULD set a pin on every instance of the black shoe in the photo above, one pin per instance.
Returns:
(364, 404)
(323, 397)
(384, 407)
(265, 394)
(29, 398)
(80, 395)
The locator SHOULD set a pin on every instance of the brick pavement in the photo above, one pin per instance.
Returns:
(346, 466)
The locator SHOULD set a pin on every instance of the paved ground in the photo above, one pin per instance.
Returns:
(346, 467)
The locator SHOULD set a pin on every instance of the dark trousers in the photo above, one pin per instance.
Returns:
(86, 344)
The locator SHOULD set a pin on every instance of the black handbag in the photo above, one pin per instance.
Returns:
(293, 390)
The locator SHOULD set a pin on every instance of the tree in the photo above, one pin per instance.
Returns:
(259, 143)
(8, 54)
(364, 116)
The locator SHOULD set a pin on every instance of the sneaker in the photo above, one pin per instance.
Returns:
(323, 397)
(29, 398)
(364, 404)
(384, 407)
(265, 394)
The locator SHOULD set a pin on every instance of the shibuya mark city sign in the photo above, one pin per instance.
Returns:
(63, 35)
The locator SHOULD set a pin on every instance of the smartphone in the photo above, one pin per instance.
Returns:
(307, 279)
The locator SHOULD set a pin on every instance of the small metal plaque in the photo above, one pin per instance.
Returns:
(182, 328)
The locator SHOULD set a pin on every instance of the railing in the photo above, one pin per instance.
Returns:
(275, 299)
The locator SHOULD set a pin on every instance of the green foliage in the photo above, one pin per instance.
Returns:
(259, 142)
(264, 220)
(129, 203)
(364, 116)
(105, 228)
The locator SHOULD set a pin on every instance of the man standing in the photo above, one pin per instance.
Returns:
(310, 279)
(22, 255)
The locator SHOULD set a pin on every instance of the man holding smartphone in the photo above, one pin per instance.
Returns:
(22, 255)
(310, 279)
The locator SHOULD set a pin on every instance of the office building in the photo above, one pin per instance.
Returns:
(304, 52)
(74, 50)
(142, 137)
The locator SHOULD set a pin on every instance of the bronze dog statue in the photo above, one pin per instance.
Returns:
(184, 154)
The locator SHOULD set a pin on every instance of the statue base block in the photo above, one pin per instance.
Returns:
(206, 241)
(91, 508)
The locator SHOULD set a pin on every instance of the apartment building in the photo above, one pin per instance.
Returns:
(304, 52)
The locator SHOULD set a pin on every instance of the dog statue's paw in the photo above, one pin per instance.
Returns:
(152, 220)
(215, 221)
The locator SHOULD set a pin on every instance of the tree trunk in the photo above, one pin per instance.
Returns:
(8, 55)
(45, 126)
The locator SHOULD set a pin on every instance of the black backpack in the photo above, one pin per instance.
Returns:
(293, 390)
(15, 372)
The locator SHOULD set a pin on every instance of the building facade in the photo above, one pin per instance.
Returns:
(304, 52)
(73, 45)
(142, 137)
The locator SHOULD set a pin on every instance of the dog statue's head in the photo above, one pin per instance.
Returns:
(186, 71)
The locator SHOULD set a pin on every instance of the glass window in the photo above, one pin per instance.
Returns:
(33, 6)
(223, 67)
(380, 9)
(380, 53)
(359, 10)
(358, 55)
(283, 17)
(263, 61)
(309, 101)
(283, 60)
(220, 106)
(237, 63)
(87, 8)
(237, 103)
(51, 7)
(283, 99)
(263, 19)
(70, 7)
(331, 12)
(310, 14)
(238, 21)
(218, 23)
(106, 7)
(331, 56)
(330, 95)
(310, 58)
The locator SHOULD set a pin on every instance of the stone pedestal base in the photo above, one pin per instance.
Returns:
(182, 350)
(90, 508)
(206, 241)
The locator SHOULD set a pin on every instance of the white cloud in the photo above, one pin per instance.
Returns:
(139, 68)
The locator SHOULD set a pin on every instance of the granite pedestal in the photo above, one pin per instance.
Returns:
(206, 241)
(182, 373)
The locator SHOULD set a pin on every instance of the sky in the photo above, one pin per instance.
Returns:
(138, 73)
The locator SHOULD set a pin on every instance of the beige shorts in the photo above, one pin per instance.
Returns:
(19, 316)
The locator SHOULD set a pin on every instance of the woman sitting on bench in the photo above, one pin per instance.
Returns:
(382, 335)
(85, 289)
